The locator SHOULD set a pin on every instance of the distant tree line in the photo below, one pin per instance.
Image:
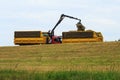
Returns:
(118, 39)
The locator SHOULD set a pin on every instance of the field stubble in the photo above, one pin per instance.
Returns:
(62, 57)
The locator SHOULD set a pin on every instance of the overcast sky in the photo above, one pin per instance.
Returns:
(98, 15)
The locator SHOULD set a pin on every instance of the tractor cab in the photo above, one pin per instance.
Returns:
(56, 40)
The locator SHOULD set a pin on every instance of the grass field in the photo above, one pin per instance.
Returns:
(83, 59)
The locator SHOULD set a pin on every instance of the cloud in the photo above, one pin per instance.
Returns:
(104, 21)
(43, 15)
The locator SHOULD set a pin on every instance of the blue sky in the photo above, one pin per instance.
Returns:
(98, 15)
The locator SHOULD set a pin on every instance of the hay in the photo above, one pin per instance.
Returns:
(27, 34)
(67, 35)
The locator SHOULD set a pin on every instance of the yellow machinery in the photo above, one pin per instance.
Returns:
(38, 37)
(81, 35)
(29, 38)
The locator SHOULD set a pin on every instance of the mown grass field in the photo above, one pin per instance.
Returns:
(83, 61)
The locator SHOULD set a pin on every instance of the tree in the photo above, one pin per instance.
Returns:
(118, 39)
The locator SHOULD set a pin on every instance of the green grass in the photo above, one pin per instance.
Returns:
(64, 75)
(91, 59)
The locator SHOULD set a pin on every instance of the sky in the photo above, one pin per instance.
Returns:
(42, 15)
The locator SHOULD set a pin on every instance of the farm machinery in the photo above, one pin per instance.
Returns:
(39, 37)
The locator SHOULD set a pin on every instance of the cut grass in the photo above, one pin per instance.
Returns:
(82, 56)
(83, 61)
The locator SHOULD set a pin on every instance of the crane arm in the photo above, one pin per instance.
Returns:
(72, 17)
(60, 20)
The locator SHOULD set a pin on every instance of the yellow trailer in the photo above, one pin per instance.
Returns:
(81, 36)
(29, 38)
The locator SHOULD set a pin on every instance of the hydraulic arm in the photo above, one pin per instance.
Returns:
(60, 20)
